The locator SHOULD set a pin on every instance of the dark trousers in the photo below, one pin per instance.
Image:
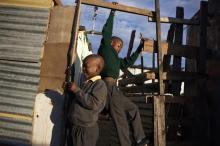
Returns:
(124, 111)
(83, 136)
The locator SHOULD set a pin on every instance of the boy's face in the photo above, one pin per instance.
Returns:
(90, 68)
(117, 45)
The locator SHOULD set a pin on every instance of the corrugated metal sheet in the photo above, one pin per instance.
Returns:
(28, 3)
(18, 130)
(22, 34)
(18, 86)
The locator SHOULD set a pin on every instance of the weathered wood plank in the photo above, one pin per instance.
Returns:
(61, 20)
(187, 51)
(139, 79)
(119, 7)
(146, 88)
(94, 32)
(201, 111)
(175, 20)
(167, 57)
(176, 85)
(179, 99)
(131, 43)
(159, 101)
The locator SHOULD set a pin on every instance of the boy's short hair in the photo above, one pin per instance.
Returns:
(117, 38)
(100, 62)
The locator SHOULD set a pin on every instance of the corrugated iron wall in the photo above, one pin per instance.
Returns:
(22, 34)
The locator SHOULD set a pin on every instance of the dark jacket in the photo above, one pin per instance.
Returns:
(88, 102)
(112, 61)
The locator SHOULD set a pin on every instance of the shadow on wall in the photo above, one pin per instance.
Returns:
(48, 119)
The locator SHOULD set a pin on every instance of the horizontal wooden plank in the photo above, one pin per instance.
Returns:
(147, 88)
(94, 32)
(213, 68)
(171, 49)
(138, 79)
(175, 20)
(179, 143)
(179, 99)
(119, 7)
(28, 3)
(181, 76)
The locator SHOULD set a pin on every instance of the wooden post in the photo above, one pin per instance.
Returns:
(170, 37)
(159, 101)
(131, 43)
(167, 57)
(201, 120)
(176, 85)
(119, 7)
(175, 20)
(71, 55)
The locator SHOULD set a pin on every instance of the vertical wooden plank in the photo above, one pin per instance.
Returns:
(167, 58)
(170, 38)
(131, 43)
(176, 85)
(71, 56)
(159, 110)
(201, 119)
(158, 45)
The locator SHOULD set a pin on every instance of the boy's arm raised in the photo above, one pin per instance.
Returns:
(107, 29)
(128, 61)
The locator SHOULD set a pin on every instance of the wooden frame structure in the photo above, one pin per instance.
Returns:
(163, 50)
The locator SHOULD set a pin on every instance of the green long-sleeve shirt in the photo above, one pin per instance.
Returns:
(112, 61)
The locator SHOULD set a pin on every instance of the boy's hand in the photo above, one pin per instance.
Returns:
(114, 3)
(141, 45)
(70, 86)
(73, 87)
(142, 42)
(113, 10)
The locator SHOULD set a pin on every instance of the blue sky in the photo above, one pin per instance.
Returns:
(124, 23)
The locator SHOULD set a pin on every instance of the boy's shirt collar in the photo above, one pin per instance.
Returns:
(95, 78)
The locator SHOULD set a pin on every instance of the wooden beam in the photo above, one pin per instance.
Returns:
(171, 49)
(179, 99)
(178, 76)
(94, 32)
(118, 7)
(167, 57)
(175, 20)
(176, 85)
(159, 121)
(137, 79)
(146, 88)
(201, 109)
(131, 43)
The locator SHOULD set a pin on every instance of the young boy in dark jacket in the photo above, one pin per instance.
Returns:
(121, 108)
(88, 102)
